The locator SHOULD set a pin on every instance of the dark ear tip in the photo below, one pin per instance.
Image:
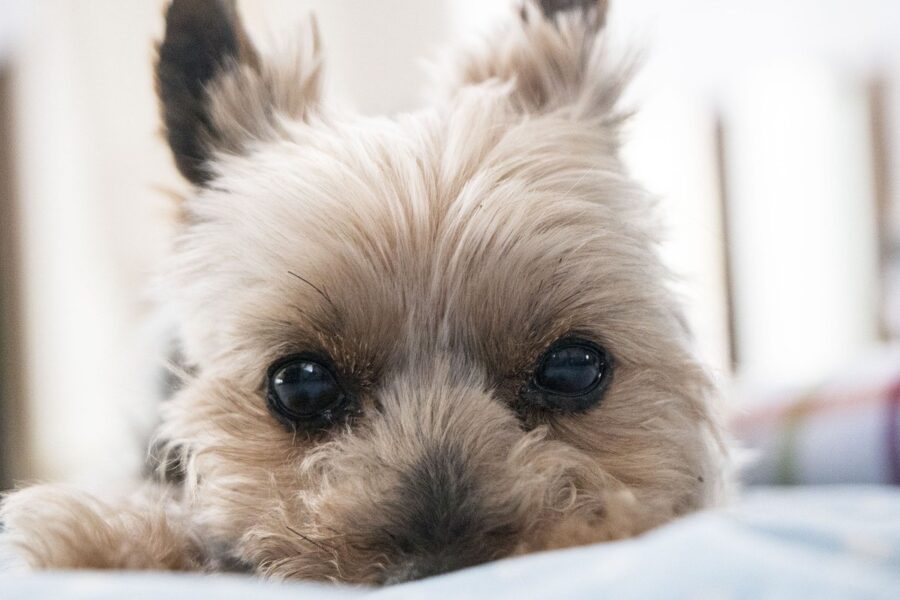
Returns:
(596, 8)
(200, 29)
(181, 10)
(202, 38)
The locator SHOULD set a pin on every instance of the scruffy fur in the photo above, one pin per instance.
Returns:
(434, 257)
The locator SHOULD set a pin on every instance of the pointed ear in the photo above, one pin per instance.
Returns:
(215, 92)
(553, 55)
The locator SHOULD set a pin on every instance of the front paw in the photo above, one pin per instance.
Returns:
(57, 527)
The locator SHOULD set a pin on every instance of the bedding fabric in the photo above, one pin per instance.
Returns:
(792, 543)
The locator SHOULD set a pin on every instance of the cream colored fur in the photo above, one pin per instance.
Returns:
(434, 256)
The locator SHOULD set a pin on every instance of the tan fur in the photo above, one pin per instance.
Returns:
(255, 102)
(63, 528)
(434, 257)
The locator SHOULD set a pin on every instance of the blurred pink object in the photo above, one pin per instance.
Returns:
(843, 431)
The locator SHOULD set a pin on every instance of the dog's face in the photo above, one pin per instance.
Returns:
(426, 342)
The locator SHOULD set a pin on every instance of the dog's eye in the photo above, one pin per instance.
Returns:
(571, 376)
(304, 391)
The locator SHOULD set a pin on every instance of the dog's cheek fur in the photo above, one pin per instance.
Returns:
(351, 507)
(442, 476)
(239, 462)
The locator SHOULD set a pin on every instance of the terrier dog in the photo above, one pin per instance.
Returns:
(416, 344)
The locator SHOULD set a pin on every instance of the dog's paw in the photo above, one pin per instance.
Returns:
(57, 527)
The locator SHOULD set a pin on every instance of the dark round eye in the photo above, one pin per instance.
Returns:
(571, 376)
(304, 391)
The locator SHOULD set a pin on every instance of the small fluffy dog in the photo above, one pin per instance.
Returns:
(418, 343)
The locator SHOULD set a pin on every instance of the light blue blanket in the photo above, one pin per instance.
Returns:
(819, 543)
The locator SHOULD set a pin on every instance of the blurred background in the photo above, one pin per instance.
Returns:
(770, 130)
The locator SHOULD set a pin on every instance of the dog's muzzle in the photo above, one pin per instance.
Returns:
(443, 519)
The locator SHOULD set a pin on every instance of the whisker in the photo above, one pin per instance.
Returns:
(320, 291)
(318, 545)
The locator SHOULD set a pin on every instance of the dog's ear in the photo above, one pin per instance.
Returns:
(553, 56)
(215, 92)
(592, 9)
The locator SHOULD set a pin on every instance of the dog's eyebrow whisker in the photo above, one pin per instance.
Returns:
(320, 291)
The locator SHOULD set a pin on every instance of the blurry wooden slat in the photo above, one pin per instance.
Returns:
(671, 149)
(726, 239)
(12, 450)
(883, 191)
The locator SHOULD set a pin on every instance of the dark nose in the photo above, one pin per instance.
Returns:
(445, 519)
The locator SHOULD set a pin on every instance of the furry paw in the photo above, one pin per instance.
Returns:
(56, 527)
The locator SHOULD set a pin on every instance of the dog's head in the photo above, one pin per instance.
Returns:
(429, 341)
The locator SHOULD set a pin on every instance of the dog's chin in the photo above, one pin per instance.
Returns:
(361, 513)
(360, 565)
(322, 554)
(568, 532)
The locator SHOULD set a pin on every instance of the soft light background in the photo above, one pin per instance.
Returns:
(767, 128)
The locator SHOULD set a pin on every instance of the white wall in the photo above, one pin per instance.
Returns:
(94, 222)
(788, 81)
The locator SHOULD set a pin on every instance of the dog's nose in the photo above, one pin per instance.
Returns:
(445, 519)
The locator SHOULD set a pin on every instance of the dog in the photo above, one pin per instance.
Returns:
(416, 343)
